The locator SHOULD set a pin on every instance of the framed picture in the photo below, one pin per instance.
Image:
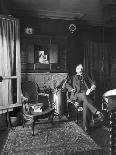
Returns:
(42, 58)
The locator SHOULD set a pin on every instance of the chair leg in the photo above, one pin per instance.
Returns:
(6, 117)
(23, 121)
(77, 116)
(68, 111)
(33, 124)
(51, 117)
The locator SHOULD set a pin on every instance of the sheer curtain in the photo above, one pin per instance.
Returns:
(7, 59)
(97, 63)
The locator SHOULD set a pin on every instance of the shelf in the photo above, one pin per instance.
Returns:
(42, 36)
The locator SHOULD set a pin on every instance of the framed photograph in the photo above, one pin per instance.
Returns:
(43, 58)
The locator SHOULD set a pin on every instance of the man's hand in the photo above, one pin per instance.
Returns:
(93, 87)
(76, 104)
(72, 89)
(88, 91)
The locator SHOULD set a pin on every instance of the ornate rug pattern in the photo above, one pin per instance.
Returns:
(62, 138)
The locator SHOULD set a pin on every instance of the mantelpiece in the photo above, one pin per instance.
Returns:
(45, 80)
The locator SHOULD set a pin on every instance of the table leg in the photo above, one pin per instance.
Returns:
(8, 120)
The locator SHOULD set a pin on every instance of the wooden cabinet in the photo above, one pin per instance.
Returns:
(52, 49)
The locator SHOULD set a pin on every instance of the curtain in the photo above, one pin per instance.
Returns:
(7, 59)
(97, 63)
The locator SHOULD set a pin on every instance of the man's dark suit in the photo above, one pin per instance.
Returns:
(80, 84)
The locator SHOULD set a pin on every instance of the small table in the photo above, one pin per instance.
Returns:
(7, 109)
(48, 113)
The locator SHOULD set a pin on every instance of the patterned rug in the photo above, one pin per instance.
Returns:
(62, 138)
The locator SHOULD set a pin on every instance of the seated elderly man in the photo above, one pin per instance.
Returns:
(80, 89)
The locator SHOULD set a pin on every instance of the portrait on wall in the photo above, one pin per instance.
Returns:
(42, 57)
(41, 54)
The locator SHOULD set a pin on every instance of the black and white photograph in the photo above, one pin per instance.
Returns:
(57, 77)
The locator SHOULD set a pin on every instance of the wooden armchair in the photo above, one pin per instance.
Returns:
(32, 109)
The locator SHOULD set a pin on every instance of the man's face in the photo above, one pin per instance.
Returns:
(79, 70)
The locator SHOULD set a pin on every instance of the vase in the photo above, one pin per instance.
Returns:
(13, 121)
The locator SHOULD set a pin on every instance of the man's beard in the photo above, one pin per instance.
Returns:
(80, 73)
